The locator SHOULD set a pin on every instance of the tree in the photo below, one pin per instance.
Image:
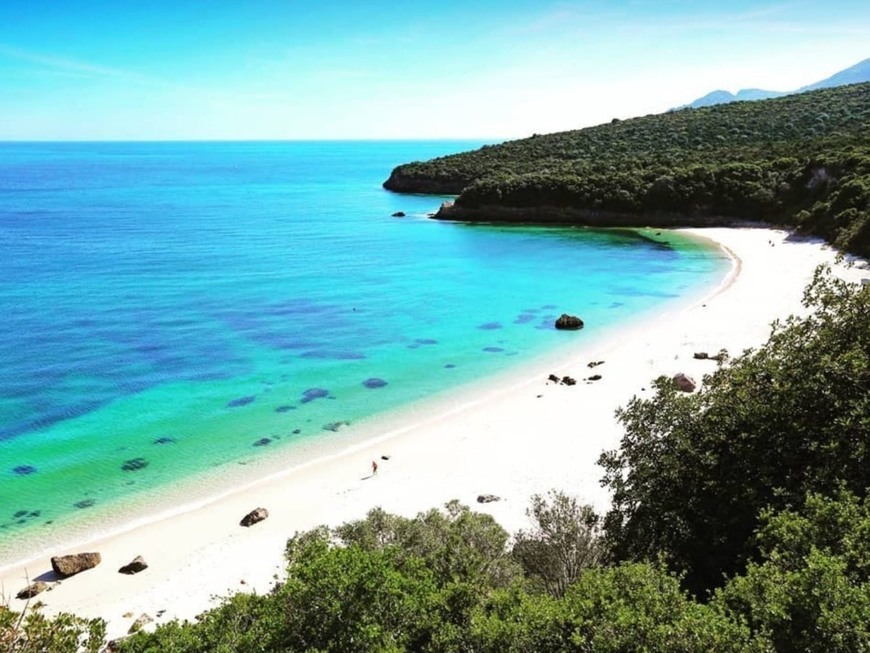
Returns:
(563, 541)
(810, 590)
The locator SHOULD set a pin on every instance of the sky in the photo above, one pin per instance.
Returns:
(327, 69)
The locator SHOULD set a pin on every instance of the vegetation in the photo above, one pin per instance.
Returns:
(740, 522)
(32, 632)
(800, 161)
(694, 472)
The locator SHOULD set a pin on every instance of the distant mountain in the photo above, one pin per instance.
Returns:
(856, 74)
(744, 95)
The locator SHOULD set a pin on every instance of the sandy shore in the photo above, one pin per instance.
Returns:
(512, 437)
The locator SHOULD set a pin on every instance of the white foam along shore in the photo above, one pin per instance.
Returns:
(512, 438)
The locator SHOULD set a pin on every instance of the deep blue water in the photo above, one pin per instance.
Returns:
(172, 307)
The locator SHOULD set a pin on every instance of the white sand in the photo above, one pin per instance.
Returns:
(513, 437)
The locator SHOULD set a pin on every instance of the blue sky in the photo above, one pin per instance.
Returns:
(286, 69)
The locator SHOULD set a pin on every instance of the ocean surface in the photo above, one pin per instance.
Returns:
(175, 309)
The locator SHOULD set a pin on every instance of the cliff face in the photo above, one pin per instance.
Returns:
(405, 179)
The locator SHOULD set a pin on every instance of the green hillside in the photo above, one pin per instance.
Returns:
(801, 161)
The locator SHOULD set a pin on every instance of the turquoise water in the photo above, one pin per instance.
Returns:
(173, 308)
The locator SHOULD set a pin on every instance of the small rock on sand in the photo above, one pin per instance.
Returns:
(32, 590)
(255, 516)
(684, 383)
(136, 565)
(140, 623)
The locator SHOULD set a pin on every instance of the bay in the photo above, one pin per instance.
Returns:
(176, 309)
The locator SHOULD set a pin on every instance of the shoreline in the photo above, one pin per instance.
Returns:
(211, 486)
(514, 437)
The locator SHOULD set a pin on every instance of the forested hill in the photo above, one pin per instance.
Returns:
(801, 161)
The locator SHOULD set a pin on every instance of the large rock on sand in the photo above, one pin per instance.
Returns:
(684, 383)
(255, 516)
(70, 565)
(570, 322)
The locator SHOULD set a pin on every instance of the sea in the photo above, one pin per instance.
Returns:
(174, 311)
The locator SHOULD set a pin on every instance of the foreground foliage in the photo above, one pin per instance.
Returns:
(800, 161)
(694, 472)
(32, 632)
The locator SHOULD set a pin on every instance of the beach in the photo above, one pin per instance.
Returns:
(511, 436)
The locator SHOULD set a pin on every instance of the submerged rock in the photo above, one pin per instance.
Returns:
(314, 393)
(399, 214)
(374, 382)
(262, 442)
(24, 470)
(134, 464)
(241, 401)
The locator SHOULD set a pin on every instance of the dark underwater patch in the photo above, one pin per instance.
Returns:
(262, 442)
(24, 470)
(134, 464)
(493, 350)
(285, 409)
(164, 440)
(314, 393)
(334, 354)
(241, 401)
(84, 503)
(374, 382)
(489, 326)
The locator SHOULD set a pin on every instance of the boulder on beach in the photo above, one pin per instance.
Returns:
(701, 355)
(32, 590)
(567, 380)
(553, 378)
(683, 382)
(255, 516)
(136, 565)
(70, 565)
(487, 498)
(569, 322)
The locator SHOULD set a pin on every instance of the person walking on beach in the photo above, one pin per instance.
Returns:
(374, 468)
